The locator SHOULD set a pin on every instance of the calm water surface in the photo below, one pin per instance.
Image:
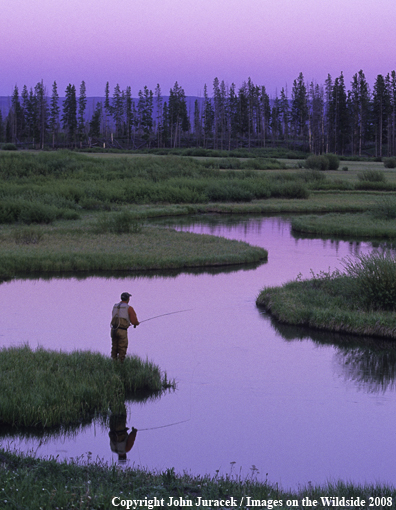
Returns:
(252, 395)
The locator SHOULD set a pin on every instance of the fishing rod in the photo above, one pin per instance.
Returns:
(163, 314)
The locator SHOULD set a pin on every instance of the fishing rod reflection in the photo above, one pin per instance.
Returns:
(121, 442)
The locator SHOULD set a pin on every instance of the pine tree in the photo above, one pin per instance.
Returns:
(178, 117)
(148, 112)
(388, 112)
(42, 111)
(197, 123)
(329, 131)
(381, 104)
(117, 109)
(265, 114)
(252, 103)
(316, 118)
(17, 115)
(341, 115)
(359, 101)
(275, 121)
(338, 117)
(54, 113)
(165, 124)
(159, 113)
(393, 109)
(208, 117)
(284, 113)
(25, 105)
(299, 108)
(218, 107)
(233, 116)
(69, 116)
(129, 113)
(82, 103)
(95, 123)
(31, 116)
(107, 108)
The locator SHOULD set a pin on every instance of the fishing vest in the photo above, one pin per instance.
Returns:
(120, 311)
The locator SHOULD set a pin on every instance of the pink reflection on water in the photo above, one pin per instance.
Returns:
(245, 394)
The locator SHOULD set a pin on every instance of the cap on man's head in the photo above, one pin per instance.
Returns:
(125, 296)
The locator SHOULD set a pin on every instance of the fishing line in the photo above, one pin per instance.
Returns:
(163, 426)
(163, 314)
(176, 422)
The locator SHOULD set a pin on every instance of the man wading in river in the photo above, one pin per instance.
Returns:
(122, 317)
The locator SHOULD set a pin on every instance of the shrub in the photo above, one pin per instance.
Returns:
(290, 190)
(333, 160)
(345, 169)
(317, 163)
(22, 211)
(9, 147)
(390, 162)
(372, 176)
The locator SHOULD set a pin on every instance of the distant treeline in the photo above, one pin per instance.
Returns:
(315, 118)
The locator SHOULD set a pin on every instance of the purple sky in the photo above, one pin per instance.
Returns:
(145, 42)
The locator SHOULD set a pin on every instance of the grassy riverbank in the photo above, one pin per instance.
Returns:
(378, 221)
(360, 300)
(44, 389)
(93, 246)
(28, 483)
(354, 226)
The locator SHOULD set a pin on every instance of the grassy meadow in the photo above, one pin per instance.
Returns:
(86, 212)
(67, 211)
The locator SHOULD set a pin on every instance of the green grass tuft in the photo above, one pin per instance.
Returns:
(44, 389)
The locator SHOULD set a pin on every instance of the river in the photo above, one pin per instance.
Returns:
(253, 397)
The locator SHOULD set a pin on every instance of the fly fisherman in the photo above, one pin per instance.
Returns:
(122, 317)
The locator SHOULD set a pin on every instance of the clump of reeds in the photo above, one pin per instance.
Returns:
(123, 222)
(45, 389)
(375, 277)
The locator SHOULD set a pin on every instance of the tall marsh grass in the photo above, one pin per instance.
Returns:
(374, 276)
(39, 188)
(44, 389)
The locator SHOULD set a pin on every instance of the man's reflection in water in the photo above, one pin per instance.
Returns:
(120, 441)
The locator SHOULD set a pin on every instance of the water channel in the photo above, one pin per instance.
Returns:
(253, 396)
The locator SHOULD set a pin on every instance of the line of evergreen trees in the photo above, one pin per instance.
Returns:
(315, 118)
